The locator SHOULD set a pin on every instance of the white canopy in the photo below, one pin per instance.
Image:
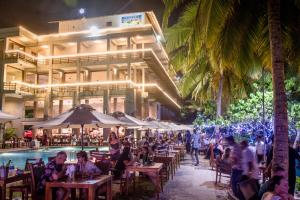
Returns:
(4, 117)
(82, 115)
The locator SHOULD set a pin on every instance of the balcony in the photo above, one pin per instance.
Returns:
(15, 55)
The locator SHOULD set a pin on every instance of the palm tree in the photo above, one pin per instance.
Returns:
(205, 77)
(243, 34)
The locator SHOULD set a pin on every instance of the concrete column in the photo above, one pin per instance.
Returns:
(142, 95)
(60, 106)
(2, 66)
(48, 103)
(76, 100)
(106, 102)
(115, 104)
(129, 64)
(106, 92)
(130, 102)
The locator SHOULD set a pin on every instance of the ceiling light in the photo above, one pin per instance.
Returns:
(72, 43)
(158, 37)
(94, 30)
(45, 46)
(81, 11)
(97, 41)
(138, 37)
(24, 39)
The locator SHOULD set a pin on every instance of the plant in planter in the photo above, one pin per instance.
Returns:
(9, 133)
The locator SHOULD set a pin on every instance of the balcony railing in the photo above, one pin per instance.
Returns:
(20, 55)
(119, 55)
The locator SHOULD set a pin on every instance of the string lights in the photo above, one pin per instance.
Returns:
(43, 86)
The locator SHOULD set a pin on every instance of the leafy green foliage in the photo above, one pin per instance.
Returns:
(9, 133)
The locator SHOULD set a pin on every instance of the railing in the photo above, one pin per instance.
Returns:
(20, 55)
(83, 57)
(9, 87)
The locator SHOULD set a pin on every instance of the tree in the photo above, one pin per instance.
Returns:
(247, 34)
(204, 75)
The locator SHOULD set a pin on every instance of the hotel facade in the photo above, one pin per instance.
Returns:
(114, 63)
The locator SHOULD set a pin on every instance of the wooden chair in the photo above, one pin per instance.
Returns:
(104, 166)
(222, 170)
(31, 160)
(37, 170)
(23, 188)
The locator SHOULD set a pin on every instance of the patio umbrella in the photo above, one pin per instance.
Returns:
(4, 117)
(131, 121)
(79, 117)
(157, 124)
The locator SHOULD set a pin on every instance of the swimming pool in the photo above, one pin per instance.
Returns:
(19, 158)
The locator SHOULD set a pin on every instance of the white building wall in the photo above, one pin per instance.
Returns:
(15, 106)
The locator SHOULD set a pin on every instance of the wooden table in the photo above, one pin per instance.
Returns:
(181, 148)
(169, 160)
(177, 153)
(155, 168)
(90, 185)
(20, 177)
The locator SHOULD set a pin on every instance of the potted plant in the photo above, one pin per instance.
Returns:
(9, 133)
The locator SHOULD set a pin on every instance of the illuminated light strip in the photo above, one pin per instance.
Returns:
(72, 84)
(165, 93)
(35, 36)
(166, 72)
(80, 54)
(99, 53)
(97, 83)
(164, 51)
(101, 31)
(21, 52)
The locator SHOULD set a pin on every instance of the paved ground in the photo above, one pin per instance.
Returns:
(189, 183)
(193, 182)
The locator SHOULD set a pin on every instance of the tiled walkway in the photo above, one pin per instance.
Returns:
(193, 182)
(189, 183)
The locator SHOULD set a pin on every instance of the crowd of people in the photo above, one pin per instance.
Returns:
(122, 153)
(246, 164)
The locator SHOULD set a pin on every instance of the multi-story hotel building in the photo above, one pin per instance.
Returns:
(113, 63)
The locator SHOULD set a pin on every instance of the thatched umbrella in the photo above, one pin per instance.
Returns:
(79, 117)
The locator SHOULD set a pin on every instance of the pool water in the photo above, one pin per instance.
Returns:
(19, 158)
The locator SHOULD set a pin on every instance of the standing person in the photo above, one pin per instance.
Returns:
(196, 145)
(236, 167)
(114, 146)
(260, 149)
(188, 139)
(179, 138)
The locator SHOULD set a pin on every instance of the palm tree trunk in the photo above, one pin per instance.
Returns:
(280, 151)
(219, 97)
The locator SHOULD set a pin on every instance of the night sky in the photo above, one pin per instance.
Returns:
(35, 14)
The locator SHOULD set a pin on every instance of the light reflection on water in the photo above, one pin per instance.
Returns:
(19, 158)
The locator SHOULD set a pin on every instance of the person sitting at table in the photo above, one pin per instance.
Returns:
(277, 171)
(225, 159)
(277, 189)
(145, 156)
(162, 145)
(86, 167)
(123, 161)
(54, 171)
